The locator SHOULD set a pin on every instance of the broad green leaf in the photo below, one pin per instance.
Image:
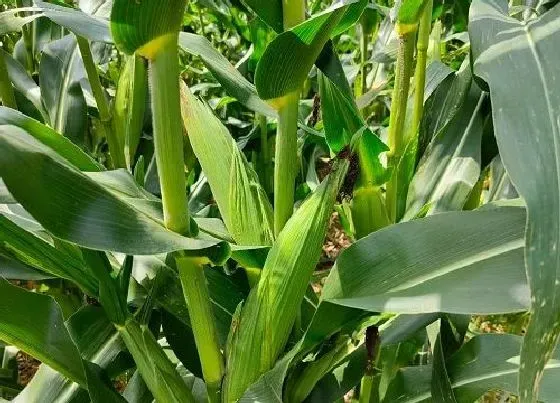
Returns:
(409, 11)
(156, 369)
(74, 207)
(33, 323)
(87, 25)
(348, 373)
(500, 183)
(450, 166)
(486, 362)
(288, 58)
(435, 264)
(12, 21)
(25, 247)
(15, 270)
(50, 138)
(137, 391)
(83, 24)
(350, 17)
(272, 306)
(269, 11)
(519, 61)
(23, 83)
(98, 342)
(60, 71)
(227, 75)
(135, 24)
(242, 201)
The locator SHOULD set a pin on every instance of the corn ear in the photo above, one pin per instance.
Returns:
(242, 201)
(130, 104)
(272, 306)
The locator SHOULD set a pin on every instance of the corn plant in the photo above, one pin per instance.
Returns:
(169, 171)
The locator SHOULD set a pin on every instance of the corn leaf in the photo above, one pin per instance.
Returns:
(25, 247)
(441, 260)
(486, 362)
(23, 83)
(528, 134)
(135, 24)
(50, 138)
(60, 72)
(12, 21)
(156, 369)
(34, 323)
(77, 208)
(268, 11)
(409, 11)
(97, 340)
(243, 204)
(272, 306)
(451, 163)
(288, 58)
(227, 75)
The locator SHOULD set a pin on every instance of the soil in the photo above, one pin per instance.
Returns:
(27, 366)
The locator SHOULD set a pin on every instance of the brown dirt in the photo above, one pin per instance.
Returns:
(27, 366)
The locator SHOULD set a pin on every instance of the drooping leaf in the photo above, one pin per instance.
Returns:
(22, 82)
(227, 75)
(25, 247)
(288, 58)
(60, 72)
(87, 25)
(528, 134)
(33, 323)
(242, 201)
(50, 138)
(442, 260)
(12, 20)
(486, 362)
(74, 207)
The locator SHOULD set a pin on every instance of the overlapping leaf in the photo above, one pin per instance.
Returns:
(519, 61)
(437, 264)
(76, 208)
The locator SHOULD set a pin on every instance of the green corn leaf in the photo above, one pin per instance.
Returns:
(33, 323)
(272, 305)
(60, 71)
(243, 204)
(50, 138)
(443, 260)
(510, 56)
(156, 369)
(23, 83)
(77, 208)
(98, 342)
(227, 75)
(486, 362)
(137, 391)
(12, 21)
(409, 11)
(442, 390)
(130, 103)
(288, 58)
(25, 247)
(268, 11)
(135, 24)
(451, 163)
(82, 24)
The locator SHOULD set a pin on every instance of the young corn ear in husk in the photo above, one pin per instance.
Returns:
(242, 201)
(267, 318)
